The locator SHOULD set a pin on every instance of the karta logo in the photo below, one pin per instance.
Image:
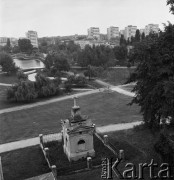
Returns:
(130, 170)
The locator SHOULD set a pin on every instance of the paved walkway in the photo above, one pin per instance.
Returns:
(122, 91)
(35, 141)
(4, 84)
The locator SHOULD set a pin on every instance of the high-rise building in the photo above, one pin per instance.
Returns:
(94, 32)
(130, 31)
(151, 28)
(32, 36)
(112, 32)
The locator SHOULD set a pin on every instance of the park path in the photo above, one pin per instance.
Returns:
(35, 141)
(4, 84)
(18, 108)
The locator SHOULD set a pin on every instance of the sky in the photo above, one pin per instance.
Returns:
(69, 17)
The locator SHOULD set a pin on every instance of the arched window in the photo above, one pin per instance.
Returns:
(81, 142)
(81, 145)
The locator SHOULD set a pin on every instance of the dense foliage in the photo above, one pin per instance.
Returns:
(77, 81)
(171, 3)
(25, 45)
(155, 77)
(102, 56)
(7, 63)
(26, 91)
(165, 147)
(56, 63)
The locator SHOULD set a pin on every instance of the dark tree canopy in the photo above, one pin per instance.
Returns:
(137, 36)
(171, 3)
(55, 63)
(7, 63)
(142, 36)
(8, 43)
(25, 45)
(155, 76)
(122, 40)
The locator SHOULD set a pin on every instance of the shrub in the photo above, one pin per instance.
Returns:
(24, 91)
(7, 63)
(22, 76)
(46, 87)
(67, 87)
(77, 81)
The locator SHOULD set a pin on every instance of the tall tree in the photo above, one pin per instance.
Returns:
(137, 36)
(56, 63)
(142, 36)
(25, 45)
(7, 63)
(8, 43)
(171, 3)
(122, 40)
(154, 76)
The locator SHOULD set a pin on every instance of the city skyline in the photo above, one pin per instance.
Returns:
(67, 17)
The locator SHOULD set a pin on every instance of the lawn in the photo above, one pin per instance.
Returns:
(116, 76)
(103, 108)
(24, 163)
(8, 79)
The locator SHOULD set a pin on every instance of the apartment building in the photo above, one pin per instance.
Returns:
(32, 36)
(3, 41)
(130, 31)
(112, 32)
(151, 28)
(93, 33)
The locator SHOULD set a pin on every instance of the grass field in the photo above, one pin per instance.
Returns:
(116, 76)
(138, 145)
(8, 79)
(103, 108)
(20, 164)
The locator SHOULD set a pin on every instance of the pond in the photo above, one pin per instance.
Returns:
(28, 64)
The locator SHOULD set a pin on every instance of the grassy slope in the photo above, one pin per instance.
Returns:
(8, 79)
(103, 108)
(116, 76)
(24, 162)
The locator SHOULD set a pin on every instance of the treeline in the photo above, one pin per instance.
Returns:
(103, 56)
